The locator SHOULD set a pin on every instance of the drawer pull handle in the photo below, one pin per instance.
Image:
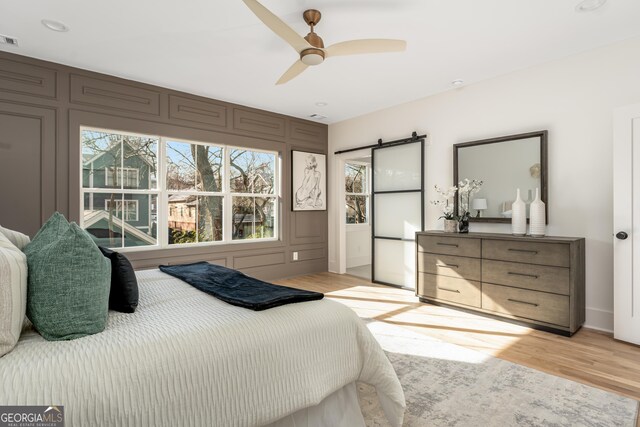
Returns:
(522, 302)
(449, 290)
(523, 274)
(528, 251)
(447, 265)
(447, 244)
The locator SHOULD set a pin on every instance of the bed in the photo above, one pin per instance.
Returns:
(185, 358)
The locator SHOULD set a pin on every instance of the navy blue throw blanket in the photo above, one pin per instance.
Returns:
(235, 288)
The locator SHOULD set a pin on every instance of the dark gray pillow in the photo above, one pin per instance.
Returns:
(124, 284)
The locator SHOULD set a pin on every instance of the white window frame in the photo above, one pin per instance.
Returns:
(367, 192)
(196, 193)
(120, 173)
(122, 202)
(275, 195)
(163, 193)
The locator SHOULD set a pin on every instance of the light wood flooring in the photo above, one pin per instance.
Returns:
(590, 357)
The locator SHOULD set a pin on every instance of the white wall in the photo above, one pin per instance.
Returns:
(358, 245)
(573, 98)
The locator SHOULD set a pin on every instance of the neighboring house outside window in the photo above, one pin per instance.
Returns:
(208, 193)
(130, 211)
(128, 176)
(357, 192)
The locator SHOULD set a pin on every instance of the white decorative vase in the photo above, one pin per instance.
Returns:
(518, 217)
(537, 219)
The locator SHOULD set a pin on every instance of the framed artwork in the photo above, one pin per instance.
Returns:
(308, 181)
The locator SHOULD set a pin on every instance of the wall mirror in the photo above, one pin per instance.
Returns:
(504, 164)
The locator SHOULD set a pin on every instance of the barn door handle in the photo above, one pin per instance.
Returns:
(621, 235)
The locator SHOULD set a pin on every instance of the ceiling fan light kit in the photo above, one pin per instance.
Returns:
(311, 47)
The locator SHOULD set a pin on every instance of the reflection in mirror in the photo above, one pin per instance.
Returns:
(504, 165)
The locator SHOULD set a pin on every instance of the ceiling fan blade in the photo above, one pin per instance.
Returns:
(278, 26)
(293, 72)
(356, 47)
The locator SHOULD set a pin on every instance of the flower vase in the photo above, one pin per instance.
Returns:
(463, 225)
(518, 216)
(537, 219)
(450, 226)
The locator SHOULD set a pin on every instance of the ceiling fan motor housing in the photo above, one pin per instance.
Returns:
(315, 55)
(312, 56)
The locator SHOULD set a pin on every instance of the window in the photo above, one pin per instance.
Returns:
(111, 163)
(206, 193)
(252, 184)
(194, 182)
(356, 177)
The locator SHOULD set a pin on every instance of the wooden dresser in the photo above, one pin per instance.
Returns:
(536, 280)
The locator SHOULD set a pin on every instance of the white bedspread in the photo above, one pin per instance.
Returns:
(187, 359)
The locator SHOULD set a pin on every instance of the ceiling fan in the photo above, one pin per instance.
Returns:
(311, 47)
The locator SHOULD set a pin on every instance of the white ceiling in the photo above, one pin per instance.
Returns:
(219, 49)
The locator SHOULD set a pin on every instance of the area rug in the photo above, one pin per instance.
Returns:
(449, 385)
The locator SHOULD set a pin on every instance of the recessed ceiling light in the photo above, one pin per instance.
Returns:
(589, 5)
(457, 82)
(317, 116)
(321, 104)
(55, 25)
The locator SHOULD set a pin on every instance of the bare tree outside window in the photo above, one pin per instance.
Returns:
(121, 190)
(357, 193)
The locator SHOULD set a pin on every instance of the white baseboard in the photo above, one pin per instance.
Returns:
(601, 320)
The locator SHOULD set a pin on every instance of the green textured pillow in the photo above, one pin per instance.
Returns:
(68, 286)
(51, 231)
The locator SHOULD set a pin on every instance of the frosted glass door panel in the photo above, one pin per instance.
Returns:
(398, 168)
(398, 215)
(395, 262)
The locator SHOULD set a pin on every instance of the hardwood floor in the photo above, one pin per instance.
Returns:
(590, 357)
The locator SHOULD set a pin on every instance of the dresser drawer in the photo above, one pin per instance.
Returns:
(449, 265)
(450, 245)
(450, 289)
(541, 306)
(555, 254)
(528, 276)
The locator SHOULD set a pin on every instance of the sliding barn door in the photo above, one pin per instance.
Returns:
(398, 211)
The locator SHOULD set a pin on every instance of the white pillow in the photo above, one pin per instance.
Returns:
(18, 239)
(13, 293)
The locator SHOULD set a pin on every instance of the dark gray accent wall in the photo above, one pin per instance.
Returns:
(43, 105)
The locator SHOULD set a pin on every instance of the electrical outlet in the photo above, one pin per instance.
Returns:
(295, 256)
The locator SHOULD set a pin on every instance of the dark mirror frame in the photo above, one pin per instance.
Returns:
(543, 135)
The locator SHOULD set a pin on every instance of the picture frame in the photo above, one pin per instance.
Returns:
(308, 181)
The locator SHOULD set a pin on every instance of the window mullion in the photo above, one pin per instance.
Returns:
(227, 200)
(162, 228)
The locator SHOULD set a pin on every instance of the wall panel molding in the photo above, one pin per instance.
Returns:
(308, 227)
(308, 132)
(27, 142)
(27, 79)
(117, 96)
(197, 113)
(259, 260)
(56, 100)
(258, 122)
